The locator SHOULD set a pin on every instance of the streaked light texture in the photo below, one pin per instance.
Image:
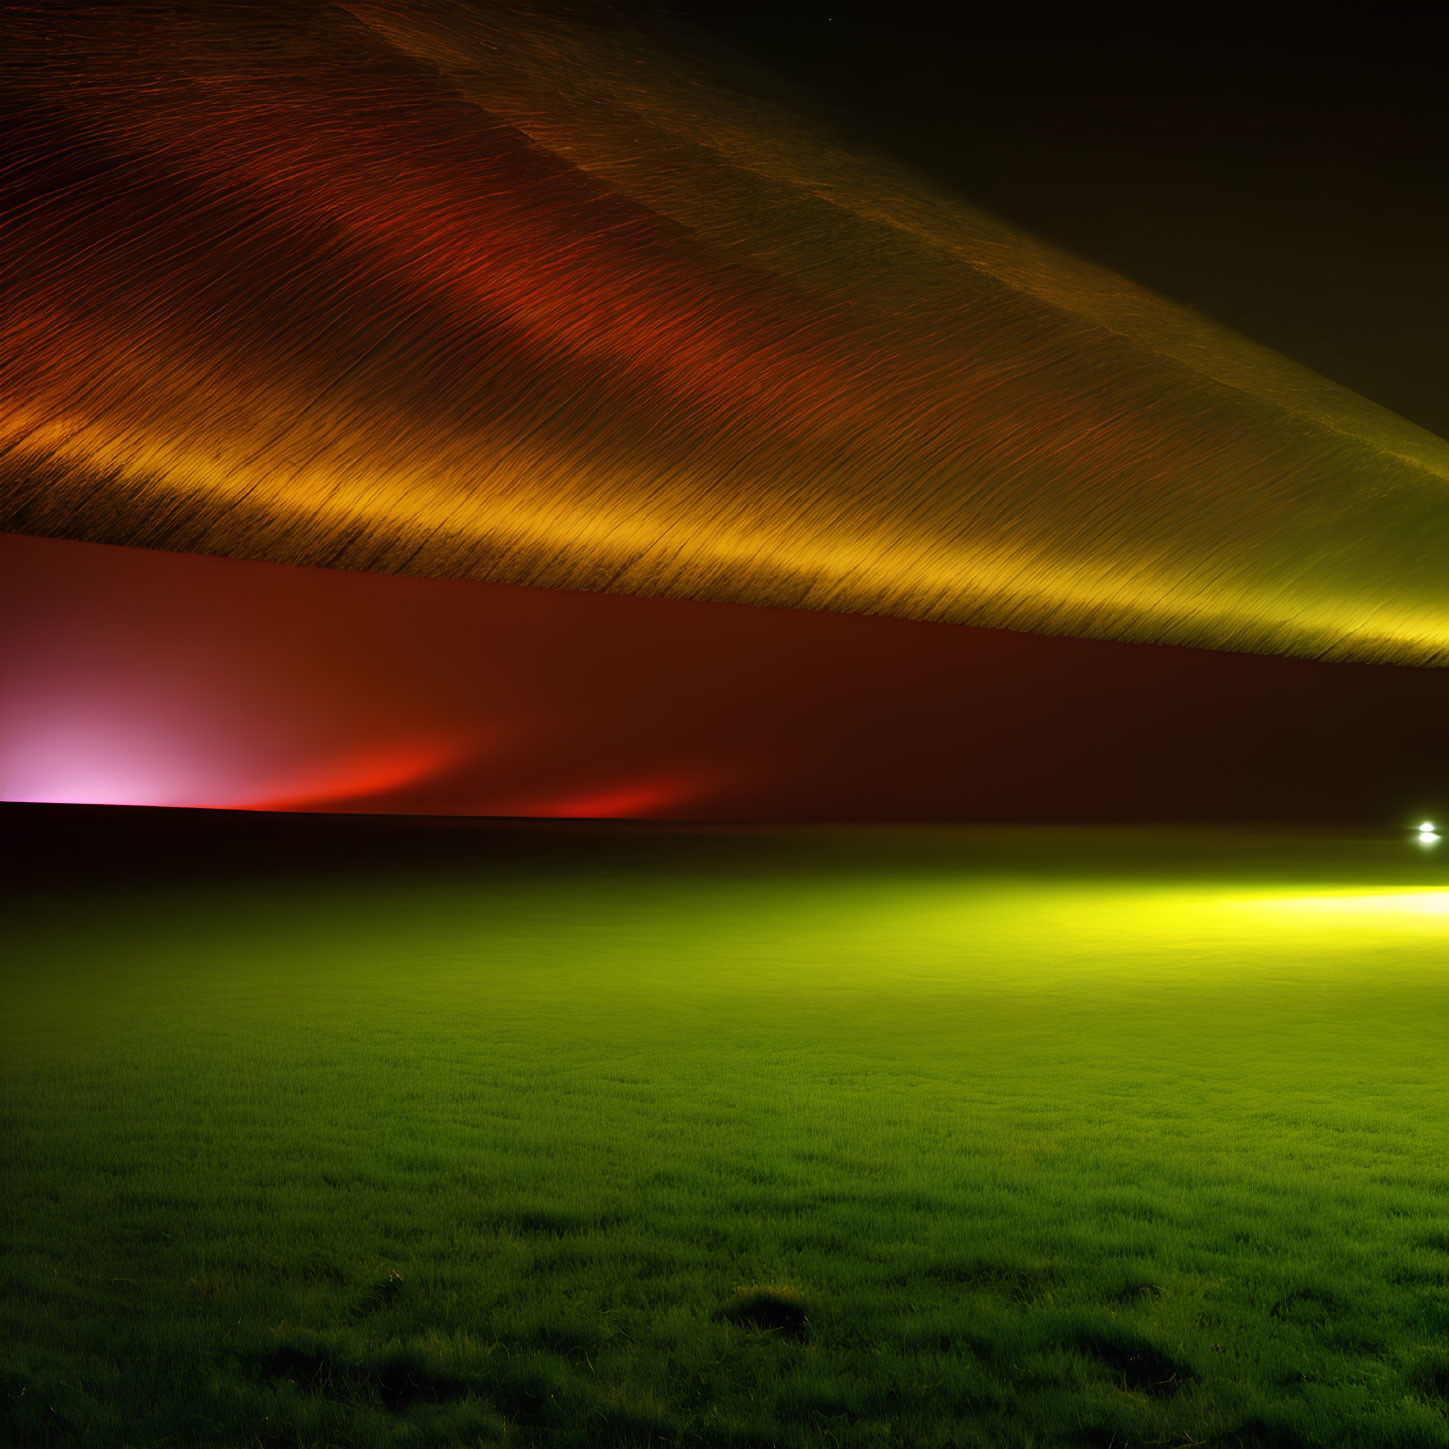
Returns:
(496, 292)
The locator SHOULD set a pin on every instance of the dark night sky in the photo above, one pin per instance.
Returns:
(1286, 175)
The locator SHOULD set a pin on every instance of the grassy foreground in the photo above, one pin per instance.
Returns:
(910, 1138)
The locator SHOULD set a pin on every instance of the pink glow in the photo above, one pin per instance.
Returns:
(131, 677)
(79, 757)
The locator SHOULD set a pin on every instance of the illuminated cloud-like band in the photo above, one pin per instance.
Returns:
(487, 292)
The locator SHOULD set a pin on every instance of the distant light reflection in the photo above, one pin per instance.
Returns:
(1368, 907)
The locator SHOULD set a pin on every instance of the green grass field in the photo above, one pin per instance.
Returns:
(1009, 1138)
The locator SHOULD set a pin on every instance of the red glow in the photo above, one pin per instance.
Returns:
(362, 777)
(637, 800)
(146, 678)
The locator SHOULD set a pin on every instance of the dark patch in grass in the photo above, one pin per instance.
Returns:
(1429, 1375)
(963, 1343)
(565, 1339)
(1134, 1292)
(1101, 1436)
(33, 1413)
(1420, 1275)
(1012, 1278)
(627, 1423)
(277, 1433)
(397, 1379)
(521, 1403)
(928, 1334)
(321, 1270)
(401, 1380)
(144, 1235)
(1260, 1433)
(1309, 1305)
(771, 1307)
(533, 1391)
(1436, 1242)
(381, 1294)
(201, 1288)
(553, 1223)
(1137, 1361)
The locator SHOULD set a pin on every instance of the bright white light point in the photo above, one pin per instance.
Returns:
(1428, 826)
